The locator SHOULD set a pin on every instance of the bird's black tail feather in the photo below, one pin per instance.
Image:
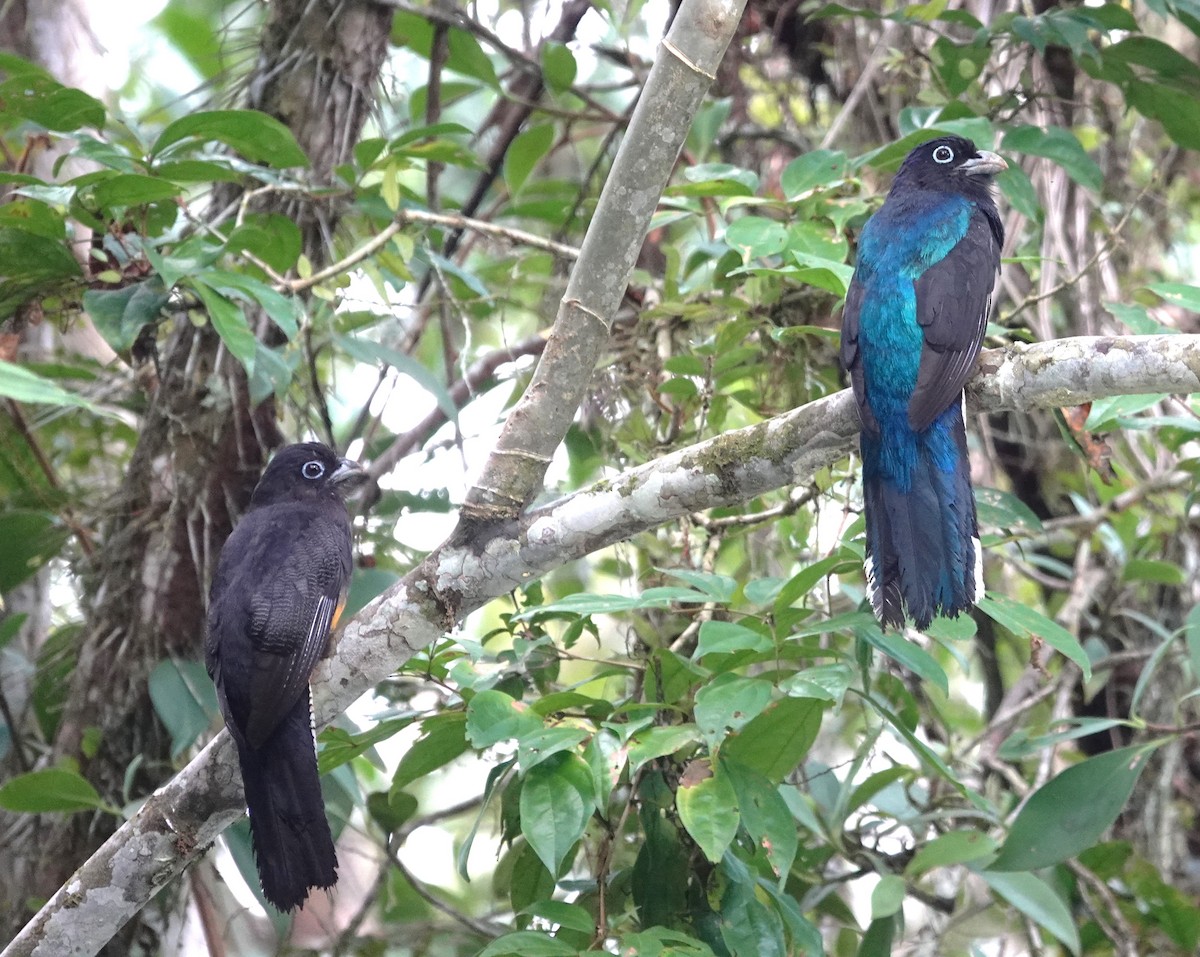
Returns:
(293, 846)
(922, 543)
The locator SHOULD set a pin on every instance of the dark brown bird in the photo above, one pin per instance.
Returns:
(279, 588)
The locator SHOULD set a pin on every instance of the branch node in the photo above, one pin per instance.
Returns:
(682, 58)
(577, 304)
(522, 454)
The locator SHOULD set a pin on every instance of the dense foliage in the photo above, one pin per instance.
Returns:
(697, 741)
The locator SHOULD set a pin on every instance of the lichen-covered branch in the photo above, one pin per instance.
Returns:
(179, 821)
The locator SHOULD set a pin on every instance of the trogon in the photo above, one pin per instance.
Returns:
(279, 587)
(913, 323)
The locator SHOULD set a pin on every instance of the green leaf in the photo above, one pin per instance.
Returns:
(528, 943)
(121, 314)
(813, 169)
(31, 538)
(765, 816)
(877, 941)
(888, 896)
(535, 747)
(1038, 901)
(17, 382)
(1061, 146)
(34, 95)
(1069, 813)
(230, 323)
(722, 637)
(708, 809)
(950, 849)
(390, 809)
(776, 741)
(558, 67)
(493, 716)
(31, 257)
(556, 805)
(272, 238)
(443, 739)
(466, 56)
(258, 137)
(1024, 620)
(826, 682)
(1178, 294)
(728, 703)
(756, 236)
(53, 789)
(525, 153)
(130, 189)
(912, 656)
(657, 741)
(184, 699)
(339, 746)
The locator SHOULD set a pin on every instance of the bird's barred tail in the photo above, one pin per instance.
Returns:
(923, 551)
(293, 846)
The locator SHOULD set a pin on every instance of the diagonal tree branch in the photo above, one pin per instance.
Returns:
(178, 822)
(686, 63)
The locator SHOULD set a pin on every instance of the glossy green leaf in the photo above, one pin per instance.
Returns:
(755, 236)
(443, 739)
(658, 741)
(950, 849)
(390, 809)
(184, 699)
(912, 656)
(31, 539)
(230, 323)
(708, 809)
(813, 169)
(1061, 146)
(130, 189)
(528, 943)
(534, 747)
(49, 790)
(339, 746)
(888, 896)
(728, 703)
(1070, 812)
(1022, 620)
(558, 66)
(765, 816)
(1038, 901)
(778, 739)
(467, 57)
(723, 637)
(35, 96)
(525, 153)
(120, 315)
(258, 137)
(556, 805)
(493, 716)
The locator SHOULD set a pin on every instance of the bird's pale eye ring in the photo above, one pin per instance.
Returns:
(312, 470)
(943, 154)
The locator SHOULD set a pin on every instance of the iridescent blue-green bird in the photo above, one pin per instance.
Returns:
(913, 323)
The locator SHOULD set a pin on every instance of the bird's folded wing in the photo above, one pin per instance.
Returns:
(953, 301)
(294, 612)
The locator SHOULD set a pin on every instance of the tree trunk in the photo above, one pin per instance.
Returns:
(200, 450)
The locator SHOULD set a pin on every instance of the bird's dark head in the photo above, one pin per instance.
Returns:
(307, 470)
(950, 163)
